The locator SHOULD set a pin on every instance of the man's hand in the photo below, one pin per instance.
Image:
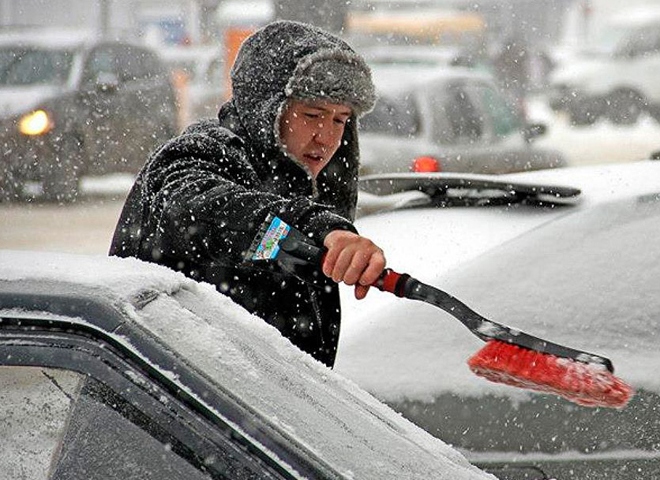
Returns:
(352, 259)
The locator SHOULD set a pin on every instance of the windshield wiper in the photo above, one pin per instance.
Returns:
(447, 189)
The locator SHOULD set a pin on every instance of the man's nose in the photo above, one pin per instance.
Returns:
(324, 136)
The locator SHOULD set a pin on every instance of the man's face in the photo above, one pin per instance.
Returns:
(311, 131)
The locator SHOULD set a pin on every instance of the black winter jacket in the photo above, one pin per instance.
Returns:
(201, 198)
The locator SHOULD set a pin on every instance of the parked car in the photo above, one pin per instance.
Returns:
(616, 77)
(74, 105)
(453, 119)
(565, 254)
(204, 88)
(117, 369)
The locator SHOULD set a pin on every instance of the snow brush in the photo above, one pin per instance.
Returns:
(510, 356)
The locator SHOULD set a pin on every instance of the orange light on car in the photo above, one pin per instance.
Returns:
(35, 123)
(425, 165)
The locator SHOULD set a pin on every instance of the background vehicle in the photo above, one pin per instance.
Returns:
(456, 116)
(116, 369)
(203, 89)
(580, 270)
(73, 105)
(615, 76)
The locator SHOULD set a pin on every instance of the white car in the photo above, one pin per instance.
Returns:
(446, 119)
(569, 255)
(617, 78)
(113, 368)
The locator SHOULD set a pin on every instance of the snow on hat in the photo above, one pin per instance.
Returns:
(335, 75)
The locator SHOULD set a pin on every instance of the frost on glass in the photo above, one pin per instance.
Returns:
(34, 407)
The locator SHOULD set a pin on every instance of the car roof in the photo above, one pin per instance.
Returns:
(429, 54)
(56, 38)
(52, 38)
(321, 415)
(396, 78)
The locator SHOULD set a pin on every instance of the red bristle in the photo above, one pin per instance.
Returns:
(589, 385)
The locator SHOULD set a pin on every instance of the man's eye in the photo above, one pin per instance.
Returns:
(340, 121)
(312, 115)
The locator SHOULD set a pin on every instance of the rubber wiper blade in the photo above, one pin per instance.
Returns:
(447, 189)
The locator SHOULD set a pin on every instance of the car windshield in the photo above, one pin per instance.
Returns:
(27, 66)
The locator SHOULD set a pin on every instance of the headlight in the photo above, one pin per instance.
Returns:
(35, 123)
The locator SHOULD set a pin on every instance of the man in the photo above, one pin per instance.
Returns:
(286, 144)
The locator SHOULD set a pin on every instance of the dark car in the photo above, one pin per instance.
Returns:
(453, 119)
(567, 254)
(112, 368)
(73, 104)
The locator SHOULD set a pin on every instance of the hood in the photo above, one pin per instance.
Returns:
(293, 60)
(17, 100)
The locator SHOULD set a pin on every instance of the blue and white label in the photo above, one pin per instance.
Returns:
(269, 246)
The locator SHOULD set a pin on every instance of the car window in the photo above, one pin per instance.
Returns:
(393, 116)
(34, 67)
(113, 439)
(457, 119)
(502, 116)
(60, 424)
(137, 64)
(102, 60)
(34, 406)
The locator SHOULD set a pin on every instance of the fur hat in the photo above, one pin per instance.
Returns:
(334, 75)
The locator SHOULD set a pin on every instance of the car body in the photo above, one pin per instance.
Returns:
(456, 116)
(74, 104)
(114, 368)
(616, 77)
(204, 86)
(568, 255)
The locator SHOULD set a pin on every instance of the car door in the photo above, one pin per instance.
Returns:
(478, 130)
(104, 110)
(458, 127)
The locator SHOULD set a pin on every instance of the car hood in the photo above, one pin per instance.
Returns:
(17, 100)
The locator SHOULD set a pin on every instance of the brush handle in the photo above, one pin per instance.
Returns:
(297, 249)
(403, 285)
(392, 282)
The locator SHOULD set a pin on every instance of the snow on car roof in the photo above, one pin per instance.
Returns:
(50, 38)
(320, 410)
(400, 77)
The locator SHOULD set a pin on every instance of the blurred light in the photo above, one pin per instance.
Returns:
(425, 164)
(35, 123)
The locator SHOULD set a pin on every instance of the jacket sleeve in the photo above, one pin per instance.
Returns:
(206, 203)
